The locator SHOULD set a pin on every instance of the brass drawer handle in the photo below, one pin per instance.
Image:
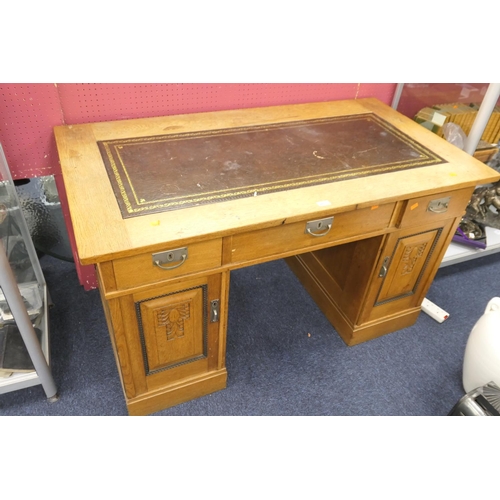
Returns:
(157, 263)
(179, 254)
(318, 225)
(439, 206)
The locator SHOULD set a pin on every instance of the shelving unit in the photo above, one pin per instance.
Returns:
(24, 358)
(460, 253)
(28, 379)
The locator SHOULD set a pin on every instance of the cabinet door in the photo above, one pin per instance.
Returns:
(409, 260)
(170, 341)
(173, 328)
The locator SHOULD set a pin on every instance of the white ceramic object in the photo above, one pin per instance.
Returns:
(482, 352)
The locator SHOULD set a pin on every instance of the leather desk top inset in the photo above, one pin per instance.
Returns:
(169, 172)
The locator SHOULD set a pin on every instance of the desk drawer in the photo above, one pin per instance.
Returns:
(436, 207)
(293, 237)
(140, 269)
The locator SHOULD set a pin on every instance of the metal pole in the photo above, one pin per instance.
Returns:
(397, 95)
(11, 292)
(483, 115)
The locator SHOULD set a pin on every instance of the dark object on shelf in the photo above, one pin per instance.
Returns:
(484, 206)
(481, 402)
(14, 356)
(470, 233)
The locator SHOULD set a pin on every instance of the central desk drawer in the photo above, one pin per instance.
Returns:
(294, 238)
(140, 269)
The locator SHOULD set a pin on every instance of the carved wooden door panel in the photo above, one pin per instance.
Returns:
(408, 262)
(174, 333)
(173, 328)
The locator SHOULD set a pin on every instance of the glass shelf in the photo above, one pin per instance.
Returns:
(24, 331)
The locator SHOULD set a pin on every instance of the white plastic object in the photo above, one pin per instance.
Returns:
(482, 352)
(434, 311)
(454, 134)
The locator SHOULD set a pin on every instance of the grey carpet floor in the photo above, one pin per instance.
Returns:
(283, 356)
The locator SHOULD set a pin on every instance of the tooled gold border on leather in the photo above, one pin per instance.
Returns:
(138, 205)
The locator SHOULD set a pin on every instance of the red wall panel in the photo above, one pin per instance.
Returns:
(85, 102)
(28, 112)
(416, 96)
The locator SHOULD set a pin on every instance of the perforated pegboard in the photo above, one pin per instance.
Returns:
(84, 103)
(28, 112)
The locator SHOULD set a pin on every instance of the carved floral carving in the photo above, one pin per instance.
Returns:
(172, 319)
(410, 258)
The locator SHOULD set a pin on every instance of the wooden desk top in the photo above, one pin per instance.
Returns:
(101, 201)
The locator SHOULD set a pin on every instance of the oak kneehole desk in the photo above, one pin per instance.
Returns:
(361, 201)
